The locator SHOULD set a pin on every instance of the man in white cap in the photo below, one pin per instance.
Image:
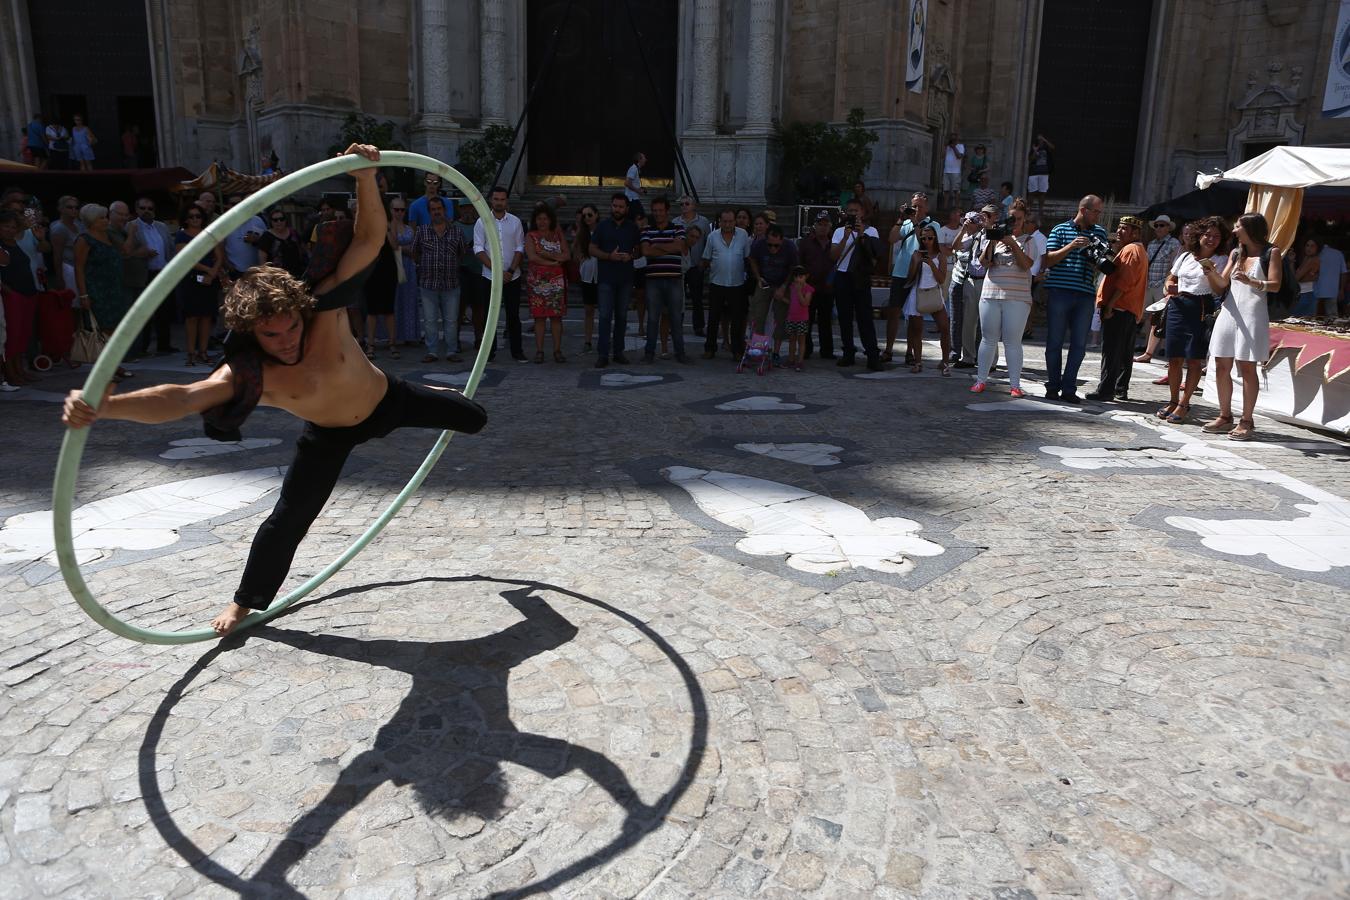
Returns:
(1162, 252)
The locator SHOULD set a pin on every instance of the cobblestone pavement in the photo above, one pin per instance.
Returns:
(657, 638)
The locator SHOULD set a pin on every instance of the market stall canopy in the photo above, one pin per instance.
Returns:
(1290, 167)
(1229, 199)
(221, 179)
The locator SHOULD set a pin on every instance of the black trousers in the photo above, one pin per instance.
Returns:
(855, 305)
(160, 326)
(732, 304)
(693, 290)
(320, 454)
(510, 313)
(1117, 354)
(822, 313)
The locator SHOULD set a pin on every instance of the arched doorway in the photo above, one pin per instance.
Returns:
(595, 107)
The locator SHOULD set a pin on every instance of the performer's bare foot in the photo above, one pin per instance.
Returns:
(231, 617)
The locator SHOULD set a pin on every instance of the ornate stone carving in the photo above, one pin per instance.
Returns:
(1267, 113)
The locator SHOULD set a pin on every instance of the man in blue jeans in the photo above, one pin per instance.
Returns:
(1071, 296)
(664, 243)
(614, 243)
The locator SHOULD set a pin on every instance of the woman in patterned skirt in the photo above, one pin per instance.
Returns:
(546, 281)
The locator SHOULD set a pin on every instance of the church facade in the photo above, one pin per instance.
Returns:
(1136, 95)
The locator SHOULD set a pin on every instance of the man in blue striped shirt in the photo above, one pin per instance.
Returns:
(1070, 296)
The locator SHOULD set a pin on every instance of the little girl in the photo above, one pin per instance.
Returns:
(799, 316)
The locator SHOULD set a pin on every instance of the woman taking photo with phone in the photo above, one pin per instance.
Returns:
(927, 275)
(1242, 329)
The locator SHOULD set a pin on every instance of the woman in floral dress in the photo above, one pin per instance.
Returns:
(546, 282)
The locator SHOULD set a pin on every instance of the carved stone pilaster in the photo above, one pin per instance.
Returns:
(492, 61)
(706, 77)
(762, 57)
(434, 132)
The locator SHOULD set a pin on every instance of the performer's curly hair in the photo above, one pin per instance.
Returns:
(262, 292)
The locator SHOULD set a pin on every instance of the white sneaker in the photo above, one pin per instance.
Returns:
(7, 388)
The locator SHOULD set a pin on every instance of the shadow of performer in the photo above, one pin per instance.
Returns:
(448, 739)
(450, 751)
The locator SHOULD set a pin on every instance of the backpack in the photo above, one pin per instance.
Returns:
(1287, 295)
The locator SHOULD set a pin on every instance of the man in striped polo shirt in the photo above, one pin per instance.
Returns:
(664, 243)
(1070, 296)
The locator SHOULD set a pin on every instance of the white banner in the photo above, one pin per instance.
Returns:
(1336, 99)
(918, 41)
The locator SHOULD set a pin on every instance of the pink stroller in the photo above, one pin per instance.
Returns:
(758, 354)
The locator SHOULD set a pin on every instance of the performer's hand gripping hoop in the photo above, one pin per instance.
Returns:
(72, 448)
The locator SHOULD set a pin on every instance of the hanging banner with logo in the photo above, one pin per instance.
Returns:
(1336, 99)
(918, 40)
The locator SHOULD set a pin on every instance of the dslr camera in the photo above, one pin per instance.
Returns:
(1099, 254)
(999, 230)
(849, 220)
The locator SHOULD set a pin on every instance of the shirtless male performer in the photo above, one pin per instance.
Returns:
(293, 349)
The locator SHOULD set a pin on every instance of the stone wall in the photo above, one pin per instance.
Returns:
(1228, 74)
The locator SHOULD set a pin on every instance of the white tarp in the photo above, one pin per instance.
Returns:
(1290, 167)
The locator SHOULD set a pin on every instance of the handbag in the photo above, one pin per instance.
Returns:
(928, 300)
(89, 341)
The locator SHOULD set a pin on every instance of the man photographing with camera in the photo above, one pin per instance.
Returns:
(1074, 252)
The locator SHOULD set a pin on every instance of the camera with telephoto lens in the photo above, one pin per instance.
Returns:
(999, 230)
(1099, 254)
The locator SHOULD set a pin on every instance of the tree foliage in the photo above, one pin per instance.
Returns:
(480, 158)
(818, 152)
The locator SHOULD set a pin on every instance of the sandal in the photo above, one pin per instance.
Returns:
(1219, 425)
(370, 351)
(393, 350)
(886, 356)
(1144, 357)
(558, 357)
(1243, 431)
(539, 357)
(191, 360)
(916, 368)
(946, 370)
(1180, 414)
(429, 358)
(1167, 410)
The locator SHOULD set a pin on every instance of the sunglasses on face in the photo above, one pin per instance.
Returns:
(278, 218)
(400, 209)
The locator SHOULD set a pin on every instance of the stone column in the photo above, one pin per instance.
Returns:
(706, 77)
(492, 61)
(762, 56)
(433, 41)
(434, 132)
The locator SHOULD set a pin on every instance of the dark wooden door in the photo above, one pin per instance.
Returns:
(1089, 90)
(87, 66)
(595, 106)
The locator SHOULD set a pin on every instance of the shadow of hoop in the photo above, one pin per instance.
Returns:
(491, 657)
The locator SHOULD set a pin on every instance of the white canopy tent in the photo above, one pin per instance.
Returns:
(1290, 167)
(1278, 178)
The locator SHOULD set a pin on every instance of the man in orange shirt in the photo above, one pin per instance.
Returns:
(1120, 297)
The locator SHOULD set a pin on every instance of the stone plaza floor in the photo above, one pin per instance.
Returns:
(672, 632)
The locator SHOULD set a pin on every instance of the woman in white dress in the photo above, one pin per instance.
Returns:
(1242, 330)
